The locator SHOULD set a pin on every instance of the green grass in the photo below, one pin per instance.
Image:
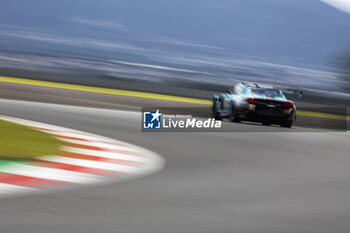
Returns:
(21, 142)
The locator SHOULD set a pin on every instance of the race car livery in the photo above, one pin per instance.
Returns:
(254, 102)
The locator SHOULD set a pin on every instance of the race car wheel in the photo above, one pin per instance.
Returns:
(215, 113)
(233, 116)
(287, 124)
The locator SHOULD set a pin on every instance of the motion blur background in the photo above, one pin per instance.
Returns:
(253, 179)
(195, 43)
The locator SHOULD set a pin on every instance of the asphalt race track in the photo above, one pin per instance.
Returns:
(212, 182)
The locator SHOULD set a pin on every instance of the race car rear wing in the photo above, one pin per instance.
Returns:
(291, 91)
(286, 90)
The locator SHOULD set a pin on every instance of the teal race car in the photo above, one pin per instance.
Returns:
(254, 102)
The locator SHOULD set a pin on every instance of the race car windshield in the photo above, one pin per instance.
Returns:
(267, 92)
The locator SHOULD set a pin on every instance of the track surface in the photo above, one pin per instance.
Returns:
(212, 182)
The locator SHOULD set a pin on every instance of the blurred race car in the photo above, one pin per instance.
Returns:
(254, 102)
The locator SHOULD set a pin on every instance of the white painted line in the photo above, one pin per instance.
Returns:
(10, 188)
(50, 173)
(89, 163)
(104, 154)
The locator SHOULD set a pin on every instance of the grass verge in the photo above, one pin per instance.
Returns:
(21, 142)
